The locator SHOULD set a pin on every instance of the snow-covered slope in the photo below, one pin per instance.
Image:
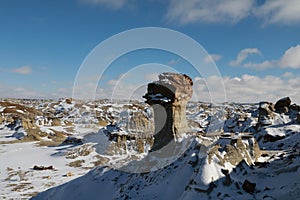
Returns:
(191, 176)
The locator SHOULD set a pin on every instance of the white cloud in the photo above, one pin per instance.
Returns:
(112, 82)
(151, 77)
(279, 12)
(243, 55)
(25, 70)
(288, 75)
(208, 11)
(8, 91)
(291, 58)
(214, 57)
(111, 4)
(232, 11)
(248, 88)
(260, 66)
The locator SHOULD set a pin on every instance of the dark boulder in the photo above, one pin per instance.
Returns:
(248, 186)
(282, 105)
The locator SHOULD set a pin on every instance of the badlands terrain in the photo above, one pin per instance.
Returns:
(69, 149)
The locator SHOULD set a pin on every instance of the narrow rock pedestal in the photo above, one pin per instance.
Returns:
(168, 97)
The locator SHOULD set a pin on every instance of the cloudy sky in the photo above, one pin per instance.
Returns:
(255, 45)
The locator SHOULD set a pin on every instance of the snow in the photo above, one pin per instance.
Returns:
(20, 158)
(186, 173)
(20, 111)
(275, 132)
(159, 97)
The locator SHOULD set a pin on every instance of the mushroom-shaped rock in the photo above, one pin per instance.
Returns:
(168, 96)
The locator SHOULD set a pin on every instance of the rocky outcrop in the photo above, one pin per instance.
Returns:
(137, 123)
(282, 105)
(27, 124)
(265, 113)
(68, 100)
(168, 96)
(235, 150)
(55, 122)
(295, 107)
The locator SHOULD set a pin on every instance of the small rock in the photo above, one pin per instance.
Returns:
(227, 180)
(69, 174)
(43, 167)
(69, 100)
(72, 140)
(248, 186)
(19, 135)
(298, 117)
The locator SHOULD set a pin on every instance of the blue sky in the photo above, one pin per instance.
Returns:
(255, 44)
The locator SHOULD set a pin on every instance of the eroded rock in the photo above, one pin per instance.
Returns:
(168, 97)
(265, 113)
(68, 100)
(282, 105)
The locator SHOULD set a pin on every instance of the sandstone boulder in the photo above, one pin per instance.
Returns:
(168, 96)
(55, 122)
(27, 124)
(68, 100)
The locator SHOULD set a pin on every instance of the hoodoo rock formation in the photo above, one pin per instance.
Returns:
(168, 96)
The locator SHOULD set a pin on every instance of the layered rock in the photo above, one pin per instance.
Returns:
(235, 150)
(168, 96)
(133, 131)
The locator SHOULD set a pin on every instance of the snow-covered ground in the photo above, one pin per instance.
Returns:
(220, 161)
(192, 176)
(18, 179)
